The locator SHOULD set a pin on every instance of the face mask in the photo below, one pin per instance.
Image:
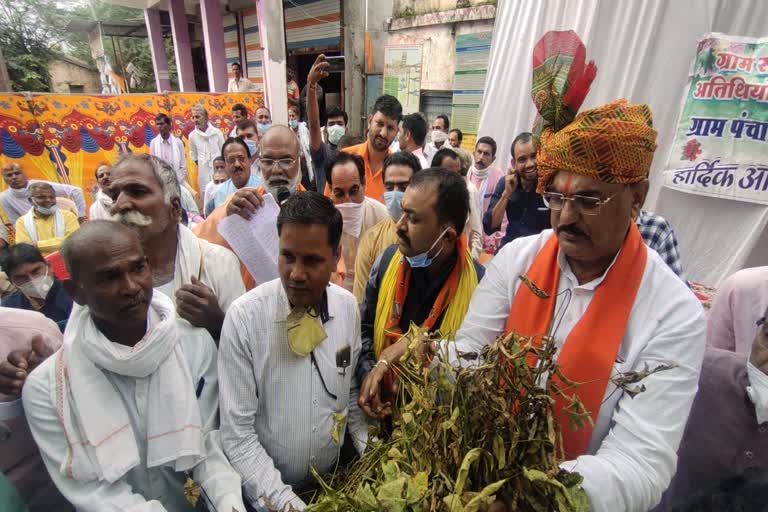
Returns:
(392, 199)
(335, 133)
(352, 215)
(758, 392)
(38, 287)
(304, 331)
(46, 211)
(423, 260)
(293, 123)
(439, 136)
(253, 148)
(263, 126)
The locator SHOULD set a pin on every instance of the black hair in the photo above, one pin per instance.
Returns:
(416, 126)
(102, 164)
(521, 137)
(245, 124)
(239, 107)
(400, 158)
(389, 106)
(312, 208)
(452, 196)
(236, 64)
(445, 120)
(461, 135)
(437, 160)
(19, 254)
(163, 117)
(219, 158)
(341, 158)
(489, 141)
(349, 140)
(335, 111)
(235, 140)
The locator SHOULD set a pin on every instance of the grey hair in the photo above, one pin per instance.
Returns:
(42, 185)
(164, 173)
(200, 108)
(11, 165)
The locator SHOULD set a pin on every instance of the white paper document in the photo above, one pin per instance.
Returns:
(255, 240)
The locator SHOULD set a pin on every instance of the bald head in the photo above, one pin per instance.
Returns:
(93, 243)
(280, 136)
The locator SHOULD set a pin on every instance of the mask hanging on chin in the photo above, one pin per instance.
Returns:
(424, 260)
(42, 210)
(304, 331)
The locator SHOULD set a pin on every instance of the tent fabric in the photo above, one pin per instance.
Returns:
(643, 51)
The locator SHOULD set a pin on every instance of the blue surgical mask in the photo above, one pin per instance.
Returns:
(392, 199)
(293, 123)
(252, 147)
(263, 126)
(424, 260)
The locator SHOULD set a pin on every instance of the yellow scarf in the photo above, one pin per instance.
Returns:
(458, 303)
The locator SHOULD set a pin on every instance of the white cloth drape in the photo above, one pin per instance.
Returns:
(643, 51)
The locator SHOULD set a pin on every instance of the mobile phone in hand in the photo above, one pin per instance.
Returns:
(336, 64)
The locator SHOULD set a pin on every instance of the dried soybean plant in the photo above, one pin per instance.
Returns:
(463, 437)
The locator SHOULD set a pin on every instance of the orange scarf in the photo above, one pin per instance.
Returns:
(589, 351)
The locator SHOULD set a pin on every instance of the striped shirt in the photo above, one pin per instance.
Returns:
(278, 409)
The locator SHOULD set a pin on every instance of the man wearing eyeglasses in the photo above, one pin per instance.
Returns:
(611, 305)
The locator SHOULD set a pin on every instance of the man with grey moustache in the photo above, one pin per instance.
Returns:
(146, 196)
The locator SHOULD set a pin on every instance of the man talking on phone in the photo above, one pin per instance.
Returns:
(516, 196)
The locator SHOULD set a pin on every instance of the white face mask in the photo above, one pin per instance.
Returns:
(38, 287)
(42, 210)
(439, 136)
(352, 214)
(758, 392)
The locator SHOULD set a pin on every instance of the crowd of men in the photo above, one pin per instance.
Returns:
(142, 366)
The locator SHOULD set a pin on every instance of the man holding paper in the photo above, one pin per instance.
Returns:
(279, 163)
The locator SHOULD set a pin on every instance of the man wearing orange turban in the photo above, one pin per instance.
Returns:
(611, 305)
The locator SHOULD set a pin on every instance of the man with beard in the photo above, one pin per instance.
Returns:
(399, 169)
(15, 200)
(279, 164)
(126, 412)
(427, 279)
(170, 148)
(205, 143)
(99, 210)
(485, 177)
(383, 125)
(197, 274)
(515, 197)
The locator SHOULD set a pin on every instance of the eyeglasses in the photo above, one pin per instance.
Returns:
(584, 204)
(285, 164)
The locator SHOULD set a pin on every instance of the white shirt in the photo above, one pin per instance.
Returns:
(632, 454)
(203, 148)
(276, 414)
(243, 85)
(142, 489)
(15, 202)
(171, 150)
(474, 225)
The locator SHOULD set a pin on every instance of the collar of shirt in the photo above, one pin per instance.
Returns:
(565, 269)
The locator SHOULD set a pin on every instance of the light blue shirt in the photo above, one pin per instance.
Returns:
(228, 188)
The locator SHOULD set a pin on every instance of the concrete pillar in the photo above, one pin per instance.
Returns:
(157, 47)
(272, 34)
(213, 39)
(181, 47)
(354, 56)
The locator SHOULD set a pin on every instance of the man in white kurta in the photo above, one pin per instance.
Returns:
(170, 148)
(102, 203)
(286, 405)
(15, 199)
(205, 144)
(200, 276)
(126, 412)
